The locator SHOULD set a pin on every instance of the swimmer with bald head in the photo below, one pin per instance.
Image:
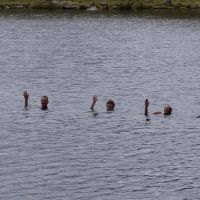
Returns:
(44, 101)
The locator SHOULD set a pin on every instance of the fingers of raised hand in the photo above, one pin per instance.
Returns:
(95, 98)
(146, 102)
(25, 94)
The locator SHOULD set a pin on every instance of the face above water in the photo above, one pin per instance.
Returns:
(44, 101)
(167, 110)
(110, 105)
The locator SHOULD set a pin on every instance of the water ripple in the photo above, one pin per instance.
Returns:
(71, 153)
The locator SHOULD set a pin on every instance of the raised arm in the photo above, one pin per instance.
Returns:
(94, 100)
(26, 96)
(146, 105)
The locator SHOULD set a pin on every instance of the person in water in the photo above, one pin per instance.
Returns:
(44, 101)
(167, 109)
(110, 104)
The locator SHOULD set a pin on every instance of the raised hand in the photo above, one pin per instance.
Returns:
(146, 102)
(26, 96)
(94, 100)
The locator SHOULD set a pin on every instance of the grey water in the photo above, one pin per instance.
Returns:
(69, 152)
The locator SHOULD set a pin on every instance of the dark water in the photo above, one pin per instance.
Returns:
(71, 153)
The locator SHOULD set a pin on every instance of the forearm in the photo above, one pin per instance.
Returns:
(26, 103)
(92, 106)
(146, 112)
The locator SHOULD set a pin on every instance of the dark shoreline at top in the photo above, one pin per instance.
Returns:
(100, 5)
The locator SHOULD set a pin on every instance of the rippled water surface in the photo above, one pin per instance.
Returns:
(69, 152)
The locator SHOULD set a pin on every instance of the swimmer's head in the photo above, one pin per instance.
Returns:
(44, 102)
(167, 110)
(110, 105)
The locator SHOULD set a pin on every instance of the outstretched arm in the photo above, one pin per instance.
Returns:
(157, 113)
(146, 105)
(94, 100)
(26, 96)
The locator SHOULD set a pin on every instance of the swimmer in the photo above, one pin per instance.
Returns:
(44, 101)
(110, 104)
(167, 109)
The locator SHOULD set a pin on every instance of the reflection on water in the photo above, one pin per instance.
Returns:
(69, 152)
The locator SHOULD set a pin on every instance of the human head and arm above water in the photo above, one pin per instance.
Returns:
(167, 109)
(44, 101)
(110, 104)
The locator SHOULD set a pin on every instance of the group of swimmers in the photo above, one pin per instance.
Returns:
(110, 105)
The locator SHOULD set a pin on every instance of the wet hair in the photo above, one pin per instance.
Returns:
(45, 97)
(110, 101)
(167, 110)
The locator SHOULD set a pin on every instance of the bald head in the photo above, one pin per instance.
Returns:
(44, 102)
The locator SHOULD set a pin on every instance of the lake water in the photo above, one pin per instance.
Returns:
(69, 152)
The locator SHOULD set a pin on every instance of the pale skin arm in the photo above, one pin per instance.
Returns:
(94, 100)
(157, 113)
(26, 96)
